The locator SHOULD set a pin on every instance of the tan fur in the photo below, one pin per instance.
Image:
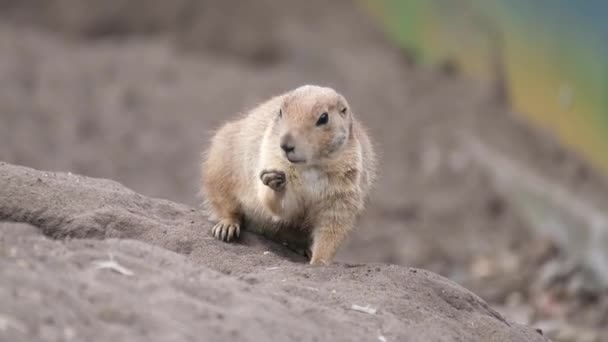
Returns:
(320, 198)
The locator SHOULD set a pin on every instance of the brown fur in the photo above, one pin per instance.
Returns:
(247, 176)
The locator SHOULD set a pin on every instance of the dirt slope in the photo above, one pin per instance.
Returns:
(250, 291)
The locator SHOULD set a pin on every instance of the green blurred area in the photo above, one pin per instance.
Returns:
(548, 56)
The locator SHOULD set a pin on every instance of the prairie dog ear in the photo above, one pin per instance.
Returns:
(343, 107)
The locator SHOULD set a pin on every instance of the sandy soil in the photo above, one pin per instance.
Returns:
(154, 273)
(115, 92)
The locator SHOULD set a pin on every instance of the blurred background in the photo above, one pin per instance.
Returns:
(489, 118)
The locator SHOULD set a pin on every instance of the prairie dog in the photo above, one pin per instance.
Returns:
(298, 164)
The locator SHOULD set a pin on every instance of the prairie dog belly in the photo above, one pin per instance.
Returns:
(305, 187)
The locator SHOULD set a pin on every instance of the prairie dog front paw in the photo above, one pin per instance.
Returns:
(274, 179)
(226, 230)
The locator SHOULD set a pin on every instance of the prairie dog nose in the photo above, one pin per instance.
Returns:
(287, 143)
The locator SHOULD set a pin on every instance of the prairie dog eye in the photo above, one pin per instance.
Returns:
(343, 110)
(280, 113)
(323, 119)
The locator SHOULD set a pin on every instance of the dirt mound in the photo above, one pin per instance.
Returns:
(122, 288)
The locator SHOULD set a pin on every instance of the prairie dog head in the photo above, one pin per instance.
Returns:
(314, 125)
